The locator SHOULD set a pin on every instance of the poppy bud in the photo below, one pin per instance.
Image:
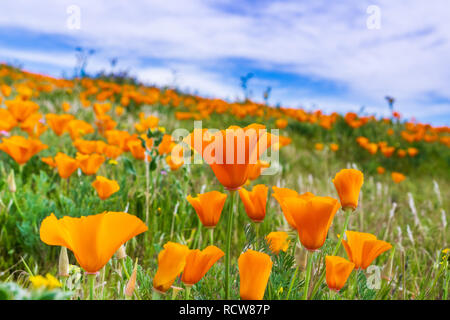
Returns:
(11, 182)
(129, 289)
(63, 266)
(121, 253)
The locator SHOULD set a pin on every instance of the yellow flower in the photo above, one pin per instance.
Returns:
(113, 162)
(49, 282)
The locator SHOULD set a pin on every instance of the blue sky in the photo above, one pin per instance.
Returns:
(314, 54)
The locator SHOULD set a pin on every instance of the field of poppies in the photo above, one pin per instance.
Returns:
(110, 189)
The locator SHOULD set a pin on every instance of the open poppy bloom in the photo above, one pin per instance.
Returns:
(90, 164)
(281, 193)
(66, 165)
(58, 123)
(254, 272)
(21, 110)
(338, 270)
(92, 239)
(21, 149)
(105, 187)
(278, 241)
(50, 161)
(7, 121)
(230, 153)
(398, 177)
(208, 207)
(255, 202)
(348, 183)
(198, 263)
(312, 218)
(257, 169)
(171, 262)
(362, 248)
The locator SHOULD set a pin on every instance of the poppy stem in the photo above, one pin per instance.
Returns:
(188, 293)
(17, 205)
(228, 245)
(308, 275)
(124, 268)
(292, 282)
(91, 279)
(211, 236)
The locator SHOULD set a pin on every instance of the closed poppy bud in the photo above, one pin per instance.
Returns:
(362, 248)
(90, 164)
(121, 253)
(11, 182)
(334, 147)
(105, 187)
(129, 289)
(199, 262)
(348, 183)
(278, 241)
(338, 270)
(255, 202)
(208, 207)
(397, 177)
(171, 262)
(66, 165)
(381, 170)
(63, 266)
(312, 219)
(107, 230)
(254, 272)
(318, 146)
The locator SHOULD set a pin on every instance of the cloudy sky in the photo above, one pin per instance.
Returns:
(314, 54)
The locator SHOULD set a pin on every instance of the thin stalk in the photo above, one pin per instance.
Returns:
(256, 235)
(124, 268)
(228, 246)
(292, 282)
(17, 205)
(211, 236)
(187, 293)
(308, 275)
(156, 295)
(91, 279)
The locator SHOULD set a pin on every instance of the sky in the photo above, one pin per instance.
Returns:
(332, 55)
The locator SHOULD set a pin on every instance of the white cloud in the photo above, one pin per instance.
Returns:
(407, 58)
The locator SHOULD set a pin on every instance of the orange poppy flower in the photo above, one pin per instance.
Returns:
(90, 164)
(137, 150)
(338, 270)
(112, 152)
(21, 110)
(198, 263)
(166, 144)
(312, 218)
(33, 125)
(231, 152)
(50, 161)
(334, 147)
(254, 272)
(208, 207)
(58, 123)
(66, 165)
(85, 146)
(105, 187)
(387, 151)
(372, 148)
(255, 202)
(318, 146)
(348, 183)
(282, 193)
(277, 241)
(146, 123)
(93, 239)
(78, 128)
(66, 106)
(281, 123)
(381, 170)
(362, 248)
(21, 149)
(397, 177)
(7, 121)
(171, 262)
(412, 152)
(401, 153)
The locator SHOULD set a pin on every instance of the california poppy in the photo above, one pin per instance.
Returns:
(254, 272)
(93, 239)
(312, 218)
(277, 241)
(338, 270)
(255, 202)
(105, 187)
(348, 183)
(198, 263)
(7, 121)
(398, 177)
(257, 169)
(231, 152)
(66, 165)
(281, 193)
(90, 164)
(334, 147)
(58, 123)
(21, 149)
(208, 207)
(21, 110)
(171, 262)
(362, 248)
